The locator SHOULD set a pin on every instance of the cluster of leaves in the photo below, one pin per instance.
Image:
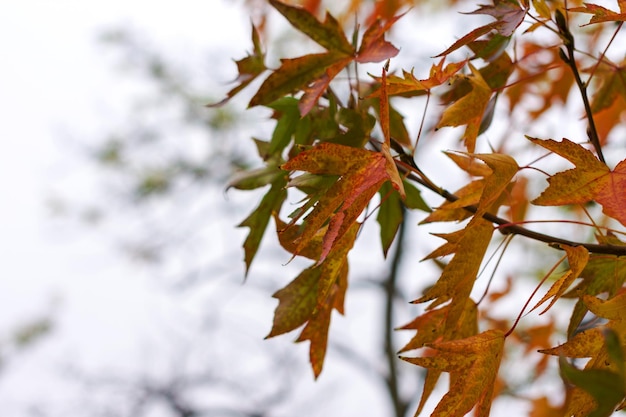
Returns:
(343, 151)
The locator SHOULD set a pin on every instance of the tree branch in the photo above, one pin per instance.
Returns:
(508, 228)
(390, 285)
(568, 41)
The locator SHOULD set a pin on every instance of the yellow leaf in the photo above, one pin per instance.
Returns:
(469, 109)
(577, 257)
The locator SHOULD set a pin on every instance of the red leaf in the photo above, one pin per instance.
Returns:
(374, 47)
(590, 180)
(508, 13)
(361, 172)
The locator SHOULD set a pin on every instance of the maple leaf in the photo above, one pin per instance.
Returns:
(602, 14)
(374, 47)
(361, 174)
(328, 34)
(508, 14)
(469, 109)
(295, 74)
(473, 364)
(457, 279)
(310, 298)
(606, 353)
(430, 328)
(577, 258)
(408, 84)
(313, 73)
(591, 180)
(249, 68)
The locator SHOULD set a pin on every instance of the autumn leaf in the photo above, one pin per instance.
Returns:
(473, 365)
(577, 258)
(469, 109)
(408, 84)
(313, 73)
(310, 298)
(374, 47)
(602, 14)
(595, 344)
(361, 172)
(602, 274)
(430, 328)
(591, 180)
(457, 279)
(508, 14)
(249, 68)
(328, 34)
(296, 74)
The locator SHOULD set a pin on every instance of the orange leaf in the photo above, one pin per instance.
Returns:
(473, 365)
(602, 14)
(374, 47)
(469, 109)
(591, 180)
(408, 84)
(361, 172)
(457, 279)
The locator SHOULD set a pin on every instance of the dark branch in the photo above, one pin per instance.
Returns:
(568, 41)
(508, 228)
(390, 285)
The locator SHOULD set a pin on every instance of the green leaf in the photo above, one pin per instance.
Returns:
(414, 198)
(257, 221)
(606, 387)
(389, 215)
(288, 118)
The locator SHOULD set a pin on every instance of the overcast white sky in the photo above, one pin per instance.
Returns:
(56, 83)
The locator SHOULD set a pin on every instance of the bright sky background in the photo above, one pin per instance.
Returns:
(57, 88)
